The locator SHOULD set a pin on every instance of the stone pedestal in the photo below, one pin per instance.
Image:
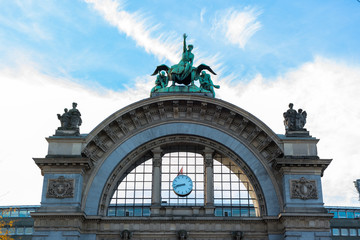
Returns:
(304, 215)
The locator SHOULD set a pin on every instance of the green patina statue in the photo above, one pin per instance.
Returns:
(184, 74)
(206, 83)
(161, 82)
(184, 67)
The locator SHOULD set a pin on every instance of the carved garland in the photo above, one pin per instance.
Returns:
(132, 157)
(181, 110)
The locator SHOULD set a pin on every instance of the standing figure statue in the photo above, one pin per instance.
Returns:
(70, 122)
(294, 121)
(75, 119)
(64, 119)
(160, 82)
(290, 118)
(184, 67)
(301, 119)
(206, 83)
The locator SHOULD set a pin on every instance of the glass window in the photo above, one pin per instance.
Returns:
(335, 232)
(342, 214)
(232, 195)
(23, 213)
(335, 213)
(344, 232)
(350, 214)
(14, 212)
(20, 231)
(352, 232)
(6, 212)
(29, 230)
(357, 214)
(111, 212)
(11, 231)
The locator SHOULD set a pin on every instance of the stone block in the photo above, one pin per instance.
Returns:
(65, 146)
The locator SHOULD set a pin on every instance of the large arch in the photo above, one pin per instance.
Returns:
(118, 140)
(81, 174)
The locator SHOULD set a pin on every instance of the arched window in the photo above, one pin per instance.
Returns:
(233, 195)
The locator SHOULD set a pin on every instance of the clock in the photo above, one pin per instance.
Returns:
(182, 185)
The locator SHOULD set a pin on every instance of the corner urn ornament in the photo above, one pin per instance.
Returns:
(70, 121)
(183, 76)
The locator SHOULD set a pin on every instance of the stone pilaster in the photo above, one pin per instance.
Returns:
(209, 179)
(156, 181)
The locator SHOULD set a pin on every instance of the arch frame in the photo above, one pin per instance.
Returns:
(143, 117)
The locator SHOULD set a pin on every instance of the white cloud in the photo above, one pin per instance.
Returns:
(237, 26)
(202, 13)
(30, 101)
(329, 91)
(326, 89)
(138, 27)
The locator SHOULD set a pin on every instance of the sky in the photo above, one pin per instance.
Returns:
(101, 54)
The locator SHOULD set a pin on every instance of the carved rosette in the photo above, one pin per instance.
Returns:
(303, 189)
(60, 188)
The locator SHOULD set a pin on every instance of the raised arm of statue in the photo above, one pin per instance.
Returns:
(184, 46)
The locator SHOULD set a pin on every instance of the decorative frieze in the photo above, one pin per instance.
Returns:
(199, 109)
(60, 188)
(303, 189)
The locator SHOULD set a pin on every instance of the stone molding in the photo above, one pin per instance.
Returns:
(134, 156)
(161, 227)
(60, 188)
(63, 164)
(303, 189)
(200, 110)
(304, 163)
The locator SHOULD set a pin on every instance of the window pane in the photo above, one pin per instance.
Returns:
(14, 213)
(352, 232)
(342, 214)
(344, 232)
(23, 213)
(29, 230)
(335, 232)
(350, 214)
(11, 231)
(335, 213)
(20, 231)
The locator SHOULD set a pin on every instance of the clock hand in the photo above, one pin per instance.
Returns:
(183, 184)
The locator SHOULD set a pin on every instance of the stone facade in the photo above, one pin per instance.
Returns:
(285, 174)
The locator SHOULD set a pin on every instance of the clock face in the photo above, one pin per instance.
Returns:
(182, 185)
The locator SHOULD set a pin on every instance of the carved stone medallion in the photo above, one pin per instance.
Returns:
(303, 189)
(60, 188)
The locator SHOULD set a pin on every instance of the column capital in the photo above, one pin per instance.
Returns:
(208, 151)
(156, 150)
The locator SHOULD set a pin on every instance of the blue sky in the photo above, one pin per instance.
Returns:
(101, 54)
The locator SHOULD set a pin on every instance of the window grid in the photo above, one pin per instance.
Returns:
(231, 195)
(193, 166)
(133, 195)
